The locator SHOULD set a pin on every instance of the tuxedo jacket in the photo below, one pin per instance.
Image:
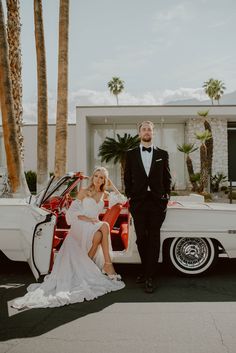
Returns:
(137, 181)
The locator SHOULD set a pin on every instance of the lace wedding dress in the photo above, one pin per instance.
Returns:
(74, 277)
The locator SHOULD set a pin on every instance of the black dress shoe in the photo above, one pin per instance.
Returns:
(149, 286)
(140, 278)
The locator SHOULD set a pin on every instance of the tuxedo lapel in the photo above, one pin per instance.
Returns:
(155, 156)
(140, 162)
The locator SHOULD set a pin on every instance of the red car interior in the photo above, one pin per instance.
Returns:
(118, 221)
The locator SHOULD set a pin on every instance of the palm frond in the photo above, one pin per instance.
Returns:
(203, 136)
(187, 148)
(115, 149)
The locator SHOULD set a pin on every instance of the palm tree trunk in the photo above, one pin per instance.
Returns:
(14, 31)
(191, 172)
(14, 163)
(204, 168)
(42, 145)
(209, 146)
(62, 91)
(117, 100)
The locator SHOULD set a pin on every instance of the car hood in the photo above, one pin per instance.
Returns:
(16, 201)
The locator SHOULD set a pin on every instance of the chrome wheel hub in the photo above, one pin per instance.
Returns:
(191, 252)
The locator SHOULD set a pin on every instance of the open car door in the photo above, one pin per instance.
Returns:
(40, 255)
(50, 202)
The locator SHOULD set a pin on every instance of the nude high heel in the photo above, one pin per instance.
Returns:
(114, 276)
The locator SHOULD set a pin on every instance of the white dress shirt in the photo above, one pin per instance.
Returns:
(146, 158)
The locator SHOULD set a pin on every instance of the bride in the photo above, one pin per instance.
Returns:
(83, 269)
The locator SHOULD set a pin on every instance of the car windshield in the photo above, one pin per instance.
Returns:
(57, 188)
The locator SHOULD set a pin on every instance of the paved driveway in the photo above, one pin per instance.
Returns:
(183, 315)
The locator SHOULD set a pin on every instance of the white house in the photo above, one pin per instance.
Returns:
(173, 126)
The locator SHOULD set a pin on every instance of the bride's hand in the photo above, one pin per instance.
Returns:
(94, 220)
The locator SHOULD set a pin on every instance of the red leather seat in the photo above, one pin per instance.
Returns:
(124, 234)
(112, 214)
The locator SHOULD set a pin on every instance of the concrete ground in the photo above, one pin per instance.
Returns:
(184, 315)
(139, 328)
(192, 315)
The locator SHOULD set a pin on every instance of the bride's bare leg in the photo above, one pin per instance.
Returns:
(96, 241)
(108, 266)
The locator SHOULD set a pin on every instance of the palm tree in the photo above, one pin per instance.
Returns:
(116, 86)
(62, 91)
(188, 148)
(214, 89)
(14, 162)
(210, 89)
(219, 89)
(209, 143)
(42, 145)
(204, 172)
(13, 32)
(112, 149)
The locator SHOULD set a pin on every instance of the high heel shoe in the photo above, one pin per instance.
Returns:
(113, 276)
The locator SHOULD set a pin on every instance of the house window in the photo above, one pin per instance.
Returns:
(231, 152)
(166, 136)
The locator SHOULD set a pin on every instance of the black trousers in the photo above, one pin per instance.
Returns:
(148, 216)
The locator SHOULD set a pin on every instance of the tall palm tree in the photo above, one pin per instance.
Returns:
(210, 89)
(42, 143)
(13, 32)
(116, 86)
(214, 89)
(62, 91)
(14, 162)
(209, 142)
(204, 172)
(219, 90)
(112, 149)
(188, 148)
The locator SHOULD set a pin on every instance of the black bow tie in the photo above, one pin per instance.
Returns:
(148, 149)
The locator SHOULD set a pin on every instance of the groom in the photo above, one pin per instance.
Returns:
(147, 185)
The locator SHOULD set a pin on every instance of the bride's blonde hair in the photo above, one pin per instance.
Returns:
(104, 173)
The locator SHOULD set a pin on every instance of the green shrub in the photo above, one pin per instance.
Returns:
(207, 196)
(217, 180)
(233, 195)
(174, 193)
(31, 178)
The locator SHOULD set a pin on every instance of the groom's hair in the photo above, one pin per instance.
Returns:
(145, 122)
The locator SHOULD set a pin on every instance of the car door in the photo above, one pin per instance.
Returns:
(41, 245)
(43, 230)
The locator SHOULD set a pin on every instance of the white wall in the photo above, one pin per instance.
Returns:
(30, 143)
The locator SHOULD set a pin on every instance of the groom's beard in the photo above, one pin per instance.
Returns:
(146, 139)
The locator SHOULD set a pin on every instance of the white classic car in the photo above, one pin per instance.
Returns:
(193, 235)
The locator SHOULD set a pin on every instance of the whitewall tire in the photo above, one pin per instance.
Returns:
(192, 256)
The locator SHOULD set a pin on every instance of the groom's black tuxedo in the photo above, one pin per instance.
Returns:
(136, 179)
(148, 197)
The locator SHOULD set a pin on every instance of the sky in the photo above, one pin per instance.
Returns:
(163, 50)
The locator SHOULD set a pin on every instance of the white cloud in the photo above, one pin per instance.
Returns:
(218, 24)
(178, 12)
(184, 93)
(30, 109)
(92, 97)
(173, 16)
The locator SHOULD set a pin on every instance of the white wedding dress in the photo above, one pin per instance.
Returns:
(74, 277)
